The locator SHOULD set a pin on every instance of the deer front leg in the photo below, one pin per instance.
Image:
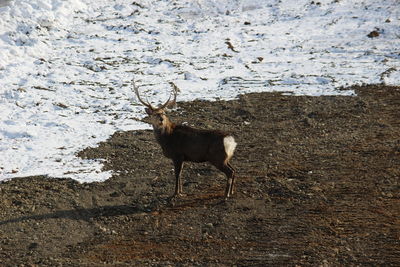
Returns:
(178, 163)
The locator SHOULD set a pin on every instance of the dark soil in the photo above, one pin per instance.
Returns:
(317, 185)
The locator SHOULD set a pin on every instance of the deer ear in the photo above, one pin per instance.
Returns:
(171, 104)
(148, 111)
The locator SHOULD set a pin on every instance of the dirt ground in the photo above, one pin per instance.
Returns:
(317, 185)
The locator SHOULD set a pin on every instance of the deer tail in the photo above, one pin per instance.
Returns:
(229, 145)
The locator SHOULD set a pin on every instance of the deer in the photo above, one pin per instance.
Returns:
(182, 143)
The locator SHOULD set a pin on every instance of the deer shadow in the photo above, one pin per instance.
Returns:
(86, 214)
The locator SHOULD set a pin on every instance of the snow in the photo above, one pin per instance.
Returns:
(66, 65)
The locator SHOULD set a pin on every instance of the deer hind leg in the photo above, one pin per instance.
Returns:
(178, 163)
(232, 186)
(230, 174)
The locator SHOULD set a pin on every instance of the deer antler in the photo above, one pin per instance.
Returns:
(170, 102)
(145, 103)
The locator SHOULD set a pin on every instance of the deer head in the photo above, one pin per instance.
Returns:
(159, 119)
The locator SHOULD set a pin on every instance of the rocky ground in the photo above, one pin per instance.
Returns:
(317, 185)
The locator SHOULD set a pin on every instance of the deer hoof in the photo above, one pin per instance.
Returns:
(177, 195)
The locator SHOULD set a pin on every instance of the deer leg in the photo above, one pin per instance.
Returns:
(229, 172)
(232, 189)
(178, 163)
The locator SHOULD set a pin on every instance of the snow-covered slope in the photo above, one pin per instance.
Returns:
(66, 65)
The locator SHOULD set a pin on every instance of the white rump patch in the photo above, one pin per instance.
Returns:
(230, 145)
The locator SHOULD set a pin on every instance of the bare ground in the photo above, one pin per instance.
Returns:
(318, 185)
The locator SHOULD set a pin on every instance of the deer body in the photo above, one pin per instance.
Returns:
(182, 143)
(193, 145)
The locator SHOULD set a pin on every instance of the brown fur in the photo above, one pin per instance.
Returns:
(183, 143)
